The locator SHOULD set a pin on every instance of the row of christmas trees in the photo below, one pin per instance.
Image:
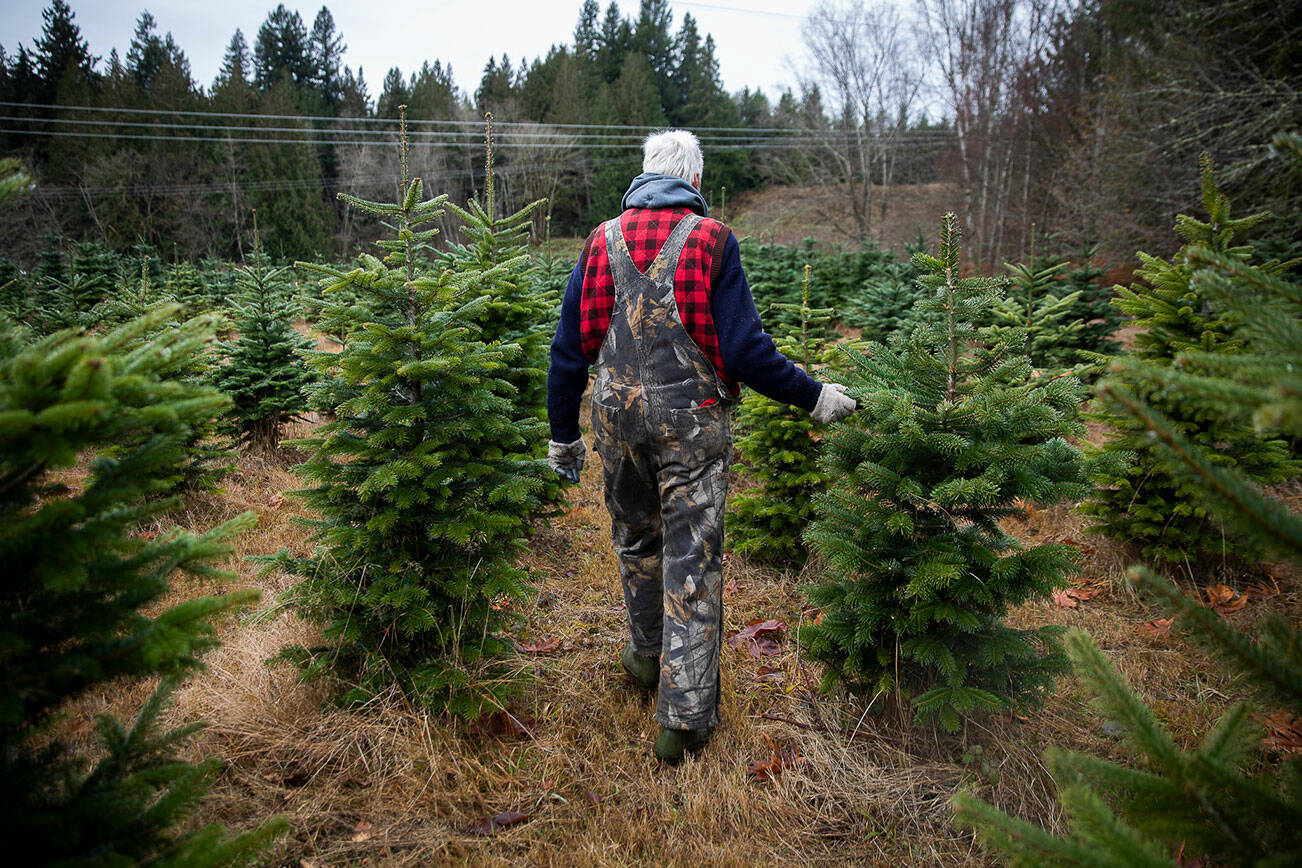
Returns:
(970, 415)
(424, 479)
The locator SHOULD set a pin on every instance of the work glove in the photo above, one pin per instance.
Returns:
(833, 404)
(567, 458)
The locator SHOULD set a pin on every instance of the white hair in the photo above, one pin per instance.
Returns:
(673, 152)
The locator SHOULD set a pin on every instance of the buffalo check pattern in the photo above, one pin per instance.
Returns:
(645, 231)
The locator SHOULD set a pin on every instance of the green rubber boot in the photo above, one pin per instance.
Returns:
(645, 671)
(673, 745)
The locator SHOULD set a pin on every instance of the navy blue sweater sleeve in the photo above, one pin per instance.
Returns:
(567, 376)
(749, 354)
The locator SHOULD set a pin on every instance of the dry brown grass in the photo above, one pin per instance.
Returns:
(789, 215)
(392, 785)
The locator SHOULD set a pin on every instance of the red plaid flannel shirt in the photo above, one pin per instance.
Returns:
(645, 232)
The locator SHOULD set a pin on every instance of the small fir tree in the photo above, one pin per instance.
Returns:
(1035, 307)
(1139, 497)
(1099, 317)
(419, 480)
(779, 451)
(951, 436)
(1218, 804)
(136, 293)
(884, 305)
(206, 459)
(185, 284)
(263, 370)
(96, 262)
(71, 303)
(520, 310)
(84, 589)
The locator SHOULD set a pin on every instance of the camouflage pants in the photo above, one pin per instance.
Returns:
(660, 420)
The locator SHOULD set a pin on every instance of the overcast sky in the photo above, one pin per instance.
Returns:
(754, 38)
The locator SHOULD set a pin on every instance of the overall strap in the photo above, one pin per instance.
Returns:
(665, 262)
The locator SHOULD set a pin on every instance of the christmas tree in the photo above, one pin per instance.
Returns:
(84, 587)
(1138, 496)
(778, 450)
(1035, 308)
(204, 460)
(953, 434)
(884, 305)
(184, 283)
(263, 370)
(70, 303)
(1093, 309)
(520, 310)
(1216, 804)
(419, 480)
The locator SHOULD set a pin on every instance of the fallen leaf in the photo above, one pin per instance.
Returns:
(768, 673)
(303, 863)
(1085, 592)
(545, 645)
(501, 821)
(758, 637)
(505, 723)
(730, 586)
(1225, 599)
(1063, 600)
(1284, 733)
(275, 500)
(781, 756)
(1158, 629)
(500, 602)
(364, 831)
(592, 797)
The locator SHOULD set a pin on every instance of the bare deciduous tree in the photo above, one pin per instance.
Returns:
(984, 55)
(864, 65)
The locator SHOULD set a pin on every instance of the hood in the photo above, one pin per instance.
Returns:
(653, 190)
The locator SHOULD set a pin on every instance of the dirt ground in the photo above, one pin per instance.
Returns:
(391, 784)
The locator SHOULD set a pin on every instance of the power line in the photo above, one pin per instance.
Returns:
(740, 10)
(759, 144)
(393, 132)
(476, 124)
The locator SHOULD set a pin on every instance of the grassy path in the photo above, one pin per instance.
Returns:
(392, 785)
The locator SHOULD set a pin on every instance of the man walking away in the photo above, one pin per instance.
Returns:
(659, 303)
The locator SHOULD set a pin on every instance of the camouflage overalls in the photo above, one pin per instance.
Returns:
(660, 420)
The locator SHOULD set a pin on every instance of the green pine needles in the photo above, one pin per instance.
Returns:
(1222, 803)
(263, 370)
(779, 451)
(84, 589)
(419, 480)
(952, 434)
(520, 310)
(1139, 496)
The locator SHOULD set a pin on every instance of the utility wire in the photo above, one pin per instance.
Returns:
(541, 132)
(476, 124)
(721, 145)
